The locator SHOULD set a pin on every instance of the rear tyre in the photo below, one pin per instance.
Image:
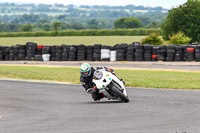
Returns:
(119, 94)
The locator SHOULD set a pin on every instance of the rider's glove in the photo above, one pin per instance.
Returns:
(109, 70)
(92, 90)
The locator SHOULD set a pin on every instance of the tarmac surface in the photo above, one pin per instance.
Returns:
(35, 107)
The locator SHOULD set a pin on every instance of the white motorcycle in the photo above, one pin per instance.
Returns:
(108, 84)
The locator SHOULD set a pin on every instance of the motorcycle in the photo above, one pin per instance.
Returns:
(108, 84)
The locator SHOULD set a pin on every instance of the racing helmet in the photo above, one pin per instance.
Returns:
(85, 70)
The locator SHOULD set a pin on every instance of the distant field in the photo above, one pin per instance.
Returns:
(88, 40)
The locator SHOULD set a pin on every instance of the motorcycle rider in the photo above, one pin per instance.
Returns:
(86, 79)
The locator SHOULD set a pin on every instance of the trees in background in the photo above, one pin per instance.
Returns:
(26, 27)
(42, 16)
(56, 25)
(185, 18)
(128, 23)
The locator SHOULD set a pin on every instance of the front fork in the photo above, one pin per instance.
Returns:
(123, 90)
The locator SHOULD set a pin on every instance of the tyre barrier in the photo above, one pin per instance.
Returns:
(99, 52)
(105, 53)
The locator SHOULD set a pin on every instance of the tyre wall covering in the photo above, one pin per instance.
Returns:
(99, 52)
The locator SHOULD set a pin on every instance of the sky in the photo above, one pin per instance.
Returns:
(153, 3)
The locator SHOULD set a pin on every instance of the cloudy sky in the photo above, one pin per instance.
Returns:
(153, 3)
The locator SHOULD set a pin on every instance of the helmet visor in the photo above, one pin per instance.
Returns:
(85, 73)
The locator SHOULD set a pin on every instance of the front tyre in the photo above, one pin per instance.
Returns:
(119, 93)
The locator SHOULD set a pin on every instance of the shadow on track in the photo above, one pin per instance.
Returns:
(105, 102)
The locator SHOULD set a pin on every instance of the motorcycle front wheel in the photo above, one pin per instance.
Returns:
(119, 94)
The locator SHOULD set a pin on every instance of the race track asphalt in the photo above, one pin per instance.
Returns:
(29, 107)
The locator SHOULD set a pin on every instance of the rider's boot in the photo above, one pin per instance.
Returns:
(97, 96)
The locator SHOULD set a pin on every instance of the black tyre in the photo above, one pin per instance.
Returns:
(1, 52)
(73, 49)
(64, 59)
(171, 51)
(122, 46)
(139, 59)
(97, 50)
(119, 93)
(59, 48)
(130, 56)
(148, 51)
(97, 46)
(65, 50)
(89, 47)
(121, 50)
(95, 55)
(139, 47)
(120, 54)
(81, 51)
(148, 47)
(45, 52)
(130, 59)
(139, 50)
(59, 51)
(58, 55)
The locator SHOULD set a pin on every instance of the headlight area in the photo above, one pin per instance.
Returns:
(97, 75)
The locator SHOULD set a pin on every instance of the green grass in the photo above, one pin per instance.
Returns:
(88, 40)
(135, 78)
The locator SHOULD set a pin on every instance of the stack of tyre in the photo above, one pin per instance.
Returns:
(155, 53)
(38, 55)
(45, 52)
(14, 51)
(147, 52)
(197, 53)
(121, 52)
(39, 49)
(161, 53)
(189, 53)
(22, 52)
(113, 53)
(53, 53)
(31, 49)
(97, 52)
(89, 53)
(1, 53)
(81, 52)
(179, 53)
(59, 50)
(7, 53)
(105, 53)
(19, 52)
(170, 53)
(139, 53)
(65, 53)
(130, 54)
(73, 53)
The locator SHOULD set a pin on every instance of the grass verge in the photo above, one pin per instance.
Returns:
(88, 40)
(134, 78)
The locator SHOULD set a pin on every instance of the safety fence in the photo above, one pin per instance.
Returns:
(99, 52)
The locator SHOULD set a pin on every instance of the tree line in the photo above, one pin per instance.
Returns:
(15, 17)
(45, 23)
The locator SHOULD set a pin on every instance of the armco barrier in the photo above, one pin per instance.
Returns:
(98, 52)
